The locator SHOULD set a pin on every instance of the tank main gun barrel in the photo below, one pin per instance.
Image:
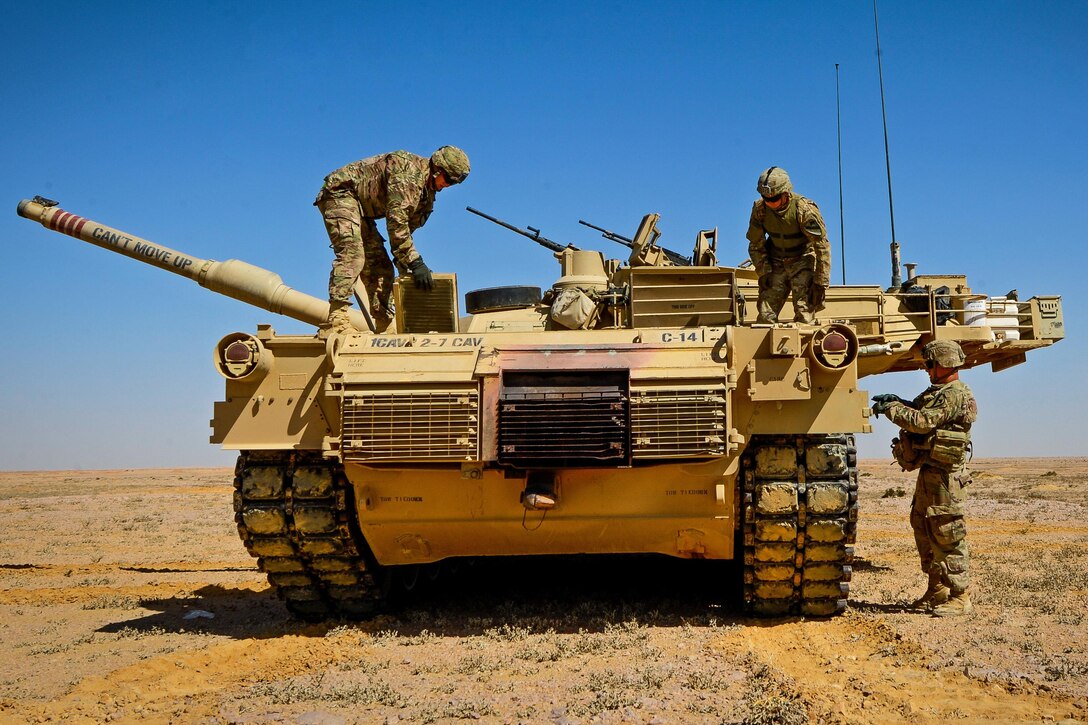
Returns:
(233, 278)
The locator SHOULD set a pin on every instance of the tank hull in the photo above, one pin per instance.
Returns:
(421, 516)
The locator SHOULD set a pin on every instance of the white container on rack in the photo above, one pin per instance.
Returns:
(1003, 318)
(975, 312)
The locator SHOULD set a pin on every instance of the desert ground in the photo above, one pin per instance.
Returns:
(126, 596)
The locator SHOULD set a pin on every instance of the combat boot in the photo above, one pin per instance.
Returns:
(338, 322)
(804, 317)
(936, 594)
(958, 605)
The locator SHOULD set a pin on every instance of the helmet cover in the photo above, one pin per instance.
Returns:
(946, 353)
(774, 181)
(453, 162)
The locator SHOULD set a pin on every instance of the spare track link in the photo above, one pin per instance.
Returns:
(295, 513)
(800, 500)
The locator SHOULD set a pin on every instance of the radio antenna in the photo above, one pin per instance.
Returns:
(897, 279)
(838, 131)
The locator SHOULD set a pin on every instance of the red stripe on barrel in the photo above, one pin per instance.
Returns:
(67, 223)
(56, 220)
(70, 227)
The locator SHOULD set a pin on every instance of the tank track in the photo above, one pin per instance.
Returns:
(800, 503)
(295, 513)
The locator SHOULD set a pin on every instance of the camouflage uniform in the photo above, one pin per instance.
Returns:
(937, 511)
(393, 186)
(790, 253)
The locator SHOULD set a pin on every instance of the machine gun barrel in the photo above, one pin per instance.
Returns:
(233, 278)
(529, 232)
(675, 257)
(608, 234)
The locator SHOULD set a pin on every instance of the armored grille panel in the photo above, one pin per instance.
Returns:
(677, 423)
(394, 426)
(578, 419)
(424, 311)
(681, 296)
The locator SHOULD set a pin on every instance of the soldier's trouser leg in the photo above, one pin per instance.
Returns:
(377, 275)
(918, 525)
(800, 286)
(945, 529)
(773, 290)
(801, 271)
(343, 222)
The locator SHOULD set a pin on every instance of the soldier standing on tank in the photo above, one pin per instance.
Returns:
(401, 187)
(935, 439)
(789, 249)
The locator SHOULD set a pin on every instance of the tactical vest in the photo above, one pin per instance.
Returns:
(948, 446)
(784, 236)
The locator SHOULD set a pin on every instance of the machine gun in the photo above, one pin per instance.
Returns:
(676, 258)
(530, 232)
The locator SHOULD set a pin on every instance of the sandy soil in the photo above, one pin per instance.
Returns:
(127, 596)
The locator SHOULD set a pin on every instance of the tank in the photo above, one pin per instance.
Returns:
(634, 407)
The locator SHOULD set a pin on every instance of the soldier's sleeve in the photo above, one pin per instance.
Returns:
(812, 226)
(968, 404)
(945, 407)
(422, 216)
(402, 195)
(971, 415)
(757, 240)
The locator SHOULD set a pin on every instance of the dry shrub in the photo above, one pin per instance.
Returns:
(772, 699)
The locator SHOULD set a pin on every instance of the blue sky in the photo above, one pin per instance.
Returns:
(208, 127)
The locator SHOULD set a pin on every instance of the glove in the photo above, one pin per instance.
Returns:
(421, 275)
(882, 402)
(816, 296)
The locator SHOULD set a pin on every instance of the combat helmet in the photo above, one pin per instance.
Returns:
(946, 353)
(453, 162)
(773, 181)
